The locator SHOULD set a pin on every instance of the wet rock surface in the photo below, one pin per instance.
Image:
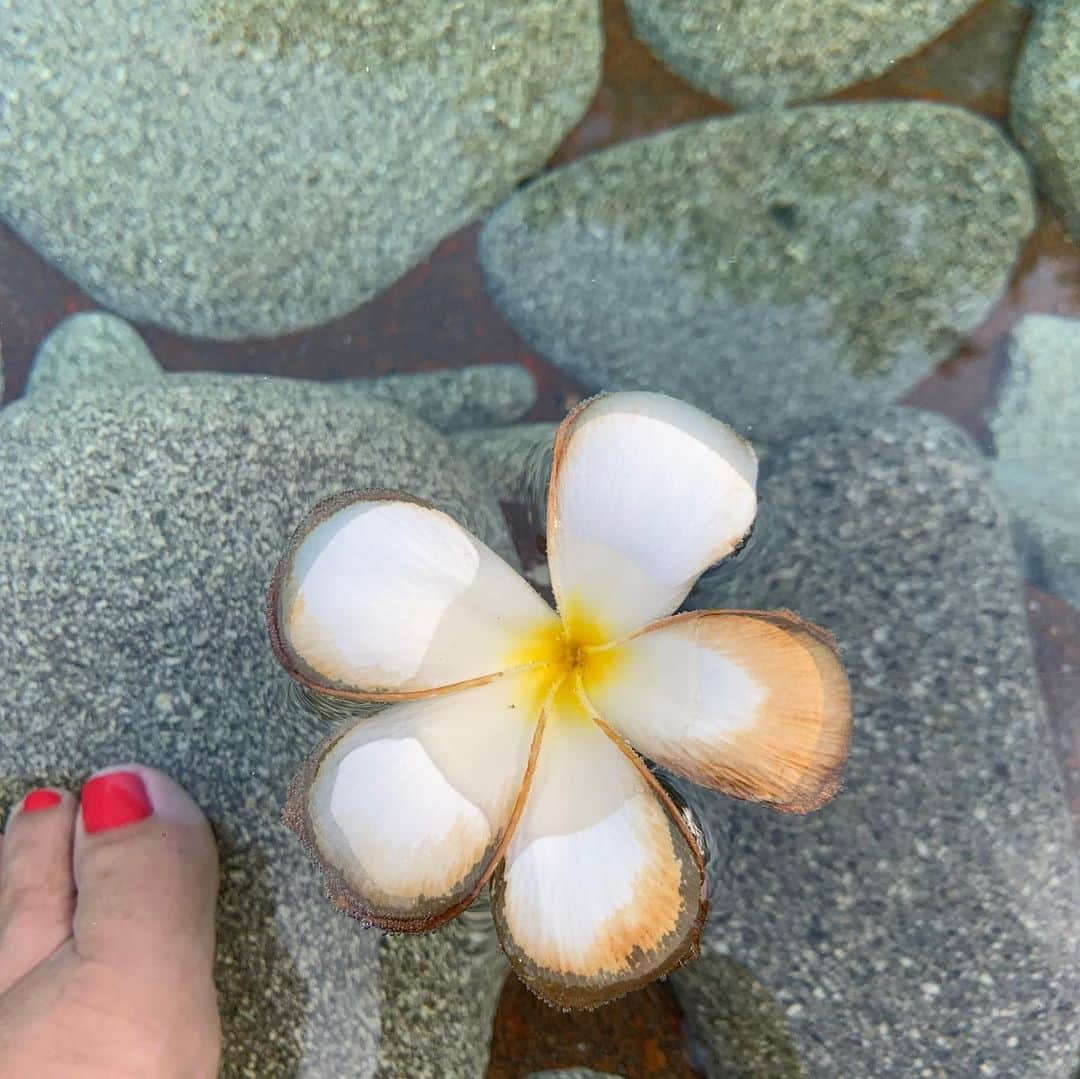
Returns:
(925, 921)
(513, 461)
(229, 168)
(94, 349)
(1046, 103)
(1036, 430)
(735, 1020)
(462, 398)
(438, 993)
(786, 50)
(761, 266)
(138, 530)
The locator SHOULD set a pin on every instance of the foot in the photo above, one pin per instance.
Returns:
(107, 933)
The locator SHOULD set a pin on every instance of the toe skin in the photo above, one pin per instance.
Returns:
(144, 917)
(37, 891)
(147, 888)
(130, 992)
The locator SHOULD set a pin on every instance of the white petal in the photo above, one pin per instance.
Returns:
(755, 704)
(601, 890)
(646, 493)
(405, 811)
(381, 596)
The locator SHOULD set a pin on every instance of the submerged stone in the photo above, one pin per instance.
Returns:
(773, 268)
(1046, 103)
(455, 399)
(228, 168)
(98, 349)
(138, 531)
(1036, 429)
(786, 50)
(92, 349)
(736, 1021)
(925, 921)
(438, 994)
(514, 462)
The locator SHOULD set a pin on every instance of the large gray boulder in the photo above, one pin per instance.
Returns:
(786, 50)
(774, 267)
(236, 167)
(1046, 103)
(138, 531)
(924, 923)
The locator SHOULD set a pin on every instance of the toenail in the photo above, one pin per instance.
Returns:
(40, 799)
(113, 800)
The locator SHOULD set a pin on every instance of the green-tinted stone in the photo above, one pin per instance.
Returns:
(773, 267)
(1046, 103)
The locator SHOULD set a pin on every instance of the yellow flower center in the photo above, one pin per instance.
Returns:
(561, 653)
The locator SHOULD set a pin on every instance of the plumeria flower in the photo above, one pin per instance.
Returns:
(512, 748)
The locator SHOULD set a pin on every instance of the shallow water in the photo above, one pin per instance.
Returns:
(925, 923)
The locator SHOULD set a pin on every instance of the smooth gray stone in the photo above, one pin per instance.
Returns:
(459, 398)
(1036, 429)
(1046, 103)
(138, 532)
(774, 268)
(924, 923)
(735, 1021)
(514, 462)
(96, 348)
(91, 349)
(438, 995)
(229, 168)
(786, 50)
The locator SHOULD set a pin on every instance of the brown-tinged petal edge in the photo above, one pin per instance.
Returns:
(573, 992)
(294, 664)
(792, 759)
(296, 815)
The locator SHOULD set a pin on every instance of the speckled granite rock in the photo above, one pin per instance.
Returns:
(735, 1021)
(238, 167)
(464, 397)
(1046, 103)
(1036, 428)
(510, 460)
(729, 262)
(91, 349)
(786, 50)
(438, 993)
(96, 348)
(924, 923)
(138, 530)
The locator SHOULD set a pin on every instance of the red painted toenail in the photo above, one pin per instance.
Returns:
(113, 800)
(41, 799)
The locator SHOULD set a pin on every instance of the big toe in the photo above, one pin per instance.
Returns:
(37, 893)
(146, 875)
